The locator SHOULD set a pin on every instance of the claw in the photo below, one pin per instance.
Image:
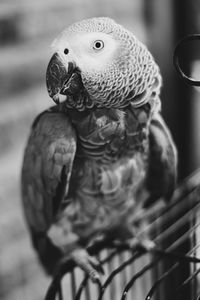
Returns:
(87, 263)
(96, 265)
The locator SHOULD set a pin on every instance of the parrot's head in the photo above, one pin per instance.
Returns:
(103, 59)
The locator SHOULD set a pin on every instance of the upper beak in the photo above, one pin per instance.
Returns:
(61, 79)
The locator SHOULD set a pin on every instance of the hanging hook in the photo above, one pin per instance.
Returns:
(188, 38)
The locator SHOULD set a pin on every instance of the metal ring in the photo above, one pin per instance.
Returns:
(189, 80)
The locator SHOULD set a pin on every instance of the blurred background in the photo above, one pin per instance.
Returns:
(27, 29)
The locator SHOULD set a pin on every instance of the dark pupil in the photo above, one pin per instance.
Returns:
(66, 51)
(98, 45)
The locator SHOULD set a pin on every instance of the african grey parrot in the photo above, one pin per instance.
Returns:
(103, 152)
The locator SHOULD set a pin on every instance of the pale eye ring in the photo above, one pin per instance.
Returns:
(98, 45)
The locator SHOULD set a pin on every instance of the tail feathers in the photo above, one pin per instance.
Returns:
(48, 254)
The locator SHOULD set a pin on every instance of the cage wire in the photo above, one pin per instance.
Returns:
(171, 272)
(176, 58)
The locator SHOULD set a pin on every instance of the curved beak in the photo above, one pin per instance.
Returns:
(62, 79)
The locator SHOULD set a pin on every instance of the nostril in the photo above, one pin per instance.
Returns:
(66, 51)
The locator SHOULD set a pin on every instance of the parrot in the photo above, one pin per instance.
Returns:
(102, 153)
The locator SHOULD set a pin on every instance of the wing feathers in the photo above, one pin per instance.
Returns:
(50, 152)
(163, 160)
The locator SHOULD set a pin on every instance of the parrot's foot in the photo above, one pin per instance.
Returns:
(80, 256)
(88, 263)
(144, 243)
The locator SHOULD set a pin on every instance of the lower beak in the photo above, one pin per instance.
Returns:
(61, 79)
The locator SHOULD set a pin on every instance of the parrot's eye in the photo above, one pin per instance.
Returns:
(98, 45)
